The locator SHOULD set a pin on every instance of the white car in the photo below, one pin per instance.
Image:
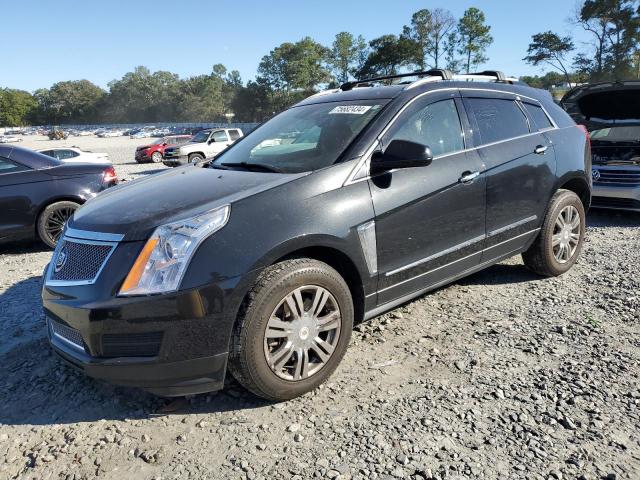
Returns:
(9, 139)
(74, 154)
(111, 133)
(204, 144)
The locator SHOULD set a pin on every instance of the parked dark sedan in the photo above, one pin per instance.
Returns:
(38, 193)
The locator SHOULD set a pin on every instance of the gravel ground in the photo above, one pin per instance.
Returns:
(500, 375)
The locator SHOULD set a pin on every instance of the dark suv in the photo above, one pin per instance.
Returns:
(344, 206)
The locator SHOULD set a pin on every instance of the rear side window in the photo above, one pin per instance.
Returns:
(65, 154)
(7, 166)
(48, 153)
(436, 125)
(536, 113)
(498, 119)
(220, 136)
(234, 134)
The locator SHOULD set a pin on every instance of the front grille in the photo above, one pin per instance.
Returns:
(79, 261)
(132, 344)
(620, 177)
(70, 335)
(608, 202)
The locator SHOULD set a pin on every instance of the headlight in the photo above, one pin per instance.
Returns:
(166, 255)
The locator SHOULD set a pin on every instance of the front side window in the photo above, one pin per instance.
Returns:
(436, 125)
(201, 137)
(304, 138)
(536, 113)
(8, 166)
(498, 119)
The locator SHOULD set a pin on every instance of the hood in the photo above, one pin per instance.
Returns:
(135, 208)
(602, 105)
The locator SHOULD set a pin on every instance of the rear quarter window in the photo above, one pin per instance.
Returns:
(498, 119)
(234, 134)
(537, 115)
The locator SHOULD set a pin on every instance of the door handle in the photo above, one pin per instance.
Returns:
(540, 149)
(468, 177)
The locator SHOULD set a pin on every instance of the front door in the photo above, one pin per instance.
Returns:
(218, 142)
(430, 221)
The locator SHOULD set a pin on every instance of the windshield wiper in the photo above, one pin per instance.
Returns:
(261, 167)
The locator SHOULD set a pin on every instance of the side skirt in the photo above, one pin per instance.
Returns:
(379, 310)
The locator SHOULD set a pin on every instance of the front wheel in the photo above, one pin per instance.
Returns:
(195, 158)
(156, 157)
(293, 329)
(52, 220)
(558, 245)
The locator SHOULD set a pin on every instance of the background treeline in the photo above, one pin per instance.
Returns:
(433, 38)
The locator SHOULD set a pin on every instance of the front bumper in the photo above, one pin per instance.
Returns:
(616, 188)
(175, 160)
(141, 156)
(170, 345)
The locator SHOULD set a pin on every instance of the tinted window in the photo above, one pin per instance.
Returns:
(498, 119)
(234, 134)
(536, 113)
(65, 154)
(436, 125)
(7, 166)
(220, 136)
(48, 153)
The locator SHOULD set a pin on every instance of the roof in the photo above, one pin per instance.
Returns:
(393, 91)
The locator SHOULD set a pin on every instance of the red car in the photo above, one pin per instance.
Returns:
(155, 152)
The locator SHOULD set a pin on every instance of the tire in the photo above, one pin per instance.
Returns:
(267, 303)
(156, 157)
(195, 158)
(547, 259)
(52, 219)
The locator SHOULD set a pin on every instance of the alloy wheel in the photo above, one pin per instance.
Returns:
(302, 333)
(566, 234)
(56, 221)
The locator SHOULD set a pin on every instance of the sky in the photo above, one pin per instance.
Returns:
(45, 42)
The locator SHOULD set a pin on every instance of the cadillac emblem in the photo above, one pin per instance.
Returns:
(61, 261)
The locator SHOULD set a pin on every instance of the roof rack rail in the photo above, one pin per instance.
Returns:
(495, 75)
(444, 74)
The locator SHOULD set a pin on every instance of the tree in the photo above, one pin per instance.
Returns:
(346, 55)
(15, 107)
(142, 96)
(295, 66)
(614, 26)
(474, 38)
(429, 33)
(550, 48)
(388, 54)
(69, 102)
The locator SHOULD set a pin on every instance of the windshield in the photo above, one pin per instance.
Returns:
(201, 136)
(160, 141)
(304, 138)
(616, 134)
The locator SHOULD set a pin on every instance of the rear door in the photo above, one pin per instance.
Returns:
(520, 173)
(430, 221)
(17, 184)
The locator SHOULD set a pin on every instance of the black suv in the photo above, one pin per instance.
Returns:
(344, 206)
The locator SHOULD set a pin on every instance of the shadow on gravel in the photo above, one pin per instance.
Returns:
(612, 218)
(23, 246)
(39, 389)
(500, 274)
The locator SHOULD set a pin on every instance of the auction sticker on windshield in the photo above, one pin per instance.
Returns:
(352, 109)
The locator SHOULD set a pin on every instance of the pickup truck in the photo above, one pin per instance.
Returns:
(204, 144)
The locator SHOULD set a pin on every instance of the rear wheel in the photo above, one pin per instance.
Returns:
(561, 238)
(52, 220)
(293, 330)
(156, 157)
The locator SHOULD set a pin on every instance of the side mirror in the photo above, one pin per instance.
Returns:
(401, 154)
